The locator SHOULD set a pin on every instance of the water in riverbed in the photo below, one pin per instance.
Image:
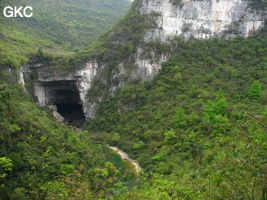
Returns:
(127, 169)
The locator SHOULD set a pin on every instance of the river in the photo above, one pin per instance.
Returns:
(122, 154)
(125, 156)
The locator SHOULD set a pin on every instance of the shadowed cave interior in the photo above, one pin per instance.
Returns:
(72, 113)
(65, 96)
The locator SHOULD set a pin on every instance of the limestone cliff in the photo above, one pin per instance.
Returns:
(202, 19)
(194, 19)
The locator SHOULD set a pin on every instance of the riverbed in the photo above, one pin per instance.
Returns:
(125, 156)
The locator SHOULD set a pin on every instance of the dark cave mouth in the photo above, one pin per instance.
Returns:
(72, 113)
(64, 95)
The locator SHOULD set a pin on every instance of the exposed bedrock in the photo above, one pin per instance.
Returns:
(203, 19)
(64, 93)
(199, 19)
(63, 97)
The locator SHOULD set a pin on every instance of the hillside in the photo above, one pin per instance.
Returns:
(201, 123)
(58, 27)
(179, 87)
(41, 159)
(137, 45)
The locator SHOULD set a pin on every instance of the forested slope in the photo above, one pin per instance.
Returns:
(198, 129)
(41, 159)
(201, 123)
(58, 27)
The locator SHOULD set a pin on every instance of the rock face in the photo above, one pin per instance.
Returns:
(200, 19)
(53, 87)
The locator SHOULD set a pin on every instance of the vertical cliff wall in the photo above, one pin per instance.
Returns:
(197, 19)
(202, 19)
(130, 50)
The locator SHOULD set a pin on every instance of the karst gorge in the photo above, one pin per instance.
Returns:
(140, 100)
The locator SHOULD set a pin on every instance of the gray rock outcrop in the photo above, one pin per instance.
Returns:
(200, 19)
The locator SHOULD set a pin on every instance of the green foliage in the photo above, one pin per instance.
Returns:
(67, 169)
(56, 190)
(170, 137)
(116, 137)
(133, 94)
(5, 166)
(161, 188)
(123, 38)
(264, 113)
(139, 145)
(255, 90)
(58, 27)
(180, 118)
(158, 115)
(193, 129)
(41, 159)
(219, 107)
(105, 180)
(201, 131)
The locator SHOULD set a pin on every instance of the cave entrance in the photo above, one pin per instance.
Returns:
(65, 98)
(72, 113)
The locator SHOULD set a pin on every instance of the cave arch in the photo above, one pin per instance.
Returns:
(64, 97)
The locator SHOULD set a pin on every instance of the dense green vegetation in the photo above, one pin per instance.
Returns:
(200, 124)
(198, 129)
(41, 159)
(123, 38)
(58, 27)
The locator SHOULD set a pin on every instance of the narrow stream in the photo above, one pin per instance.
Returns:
(122, 154)
(125, 156)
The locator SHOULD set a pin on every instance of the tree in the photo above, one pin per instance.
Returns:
(215, 114)
(221, 103)
(5, 167)
(180, 117)
(158, 114)
(255, 90)
(139, 145)
(217, 107)
(116, 137)
(40, 54)
(264, 113)
(105, 179)
(170, 137)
